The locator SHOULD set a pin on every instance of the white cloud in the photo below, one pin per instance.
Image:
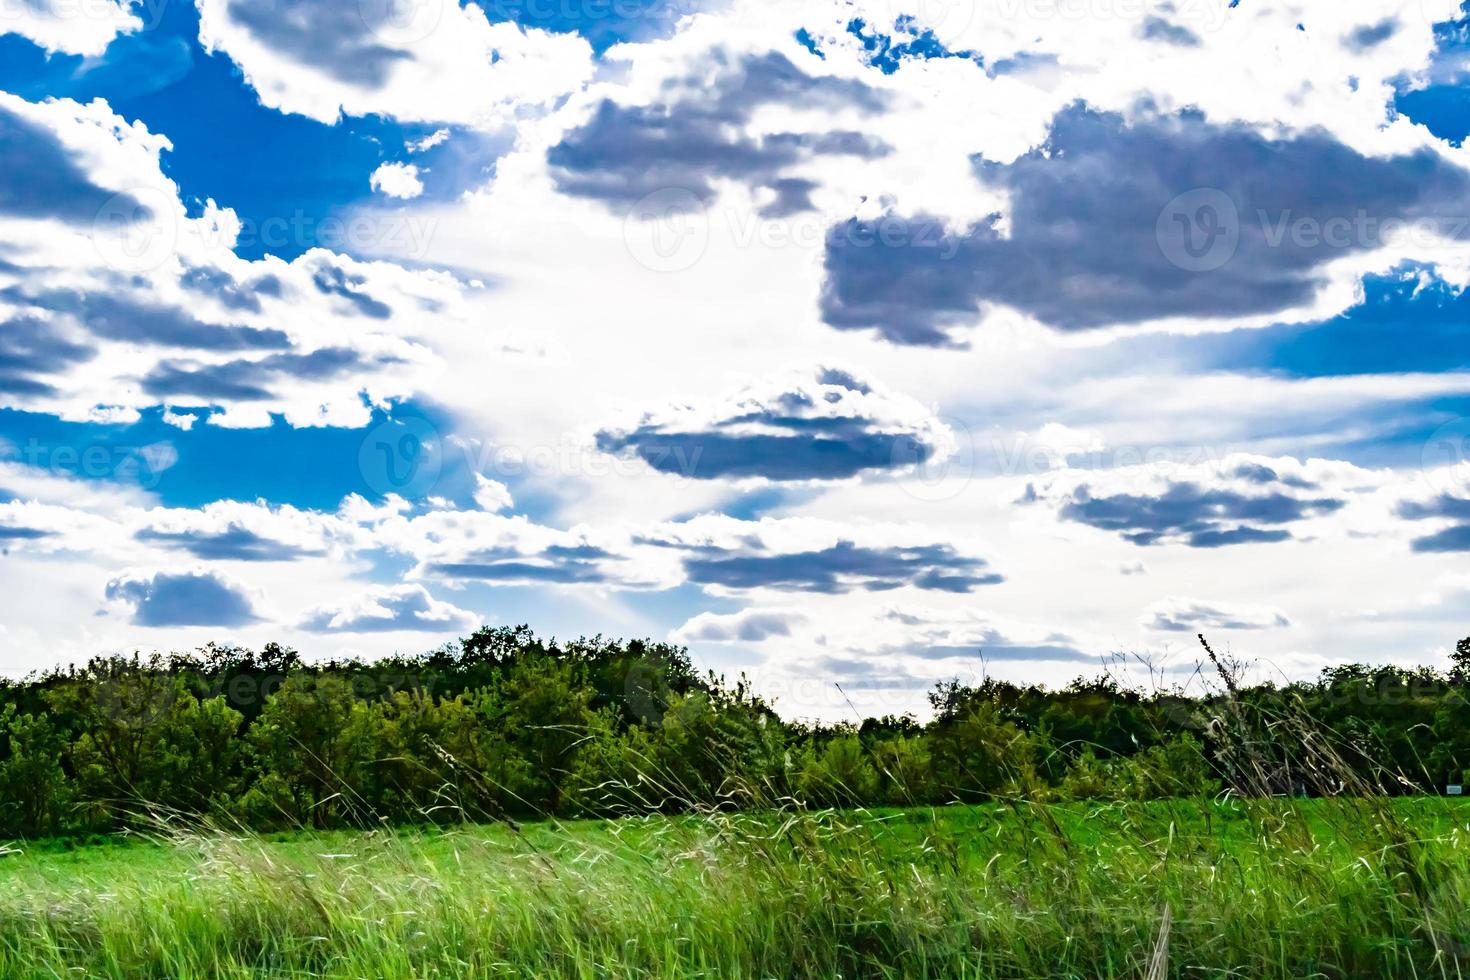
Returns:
(578, 334)
(491, 495)
(400, 180)
(402, 608)
(746, 626)
(821, 424)
(116, 300)
(191, 597)
(428, 142)
(84, 27)
(1179, 615)
(443, 63)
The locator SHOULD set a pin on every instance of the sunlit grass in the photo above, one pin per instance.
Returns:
(1272, 888)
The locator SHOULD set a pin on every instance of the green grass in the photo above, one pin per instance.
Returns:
(1335, 888)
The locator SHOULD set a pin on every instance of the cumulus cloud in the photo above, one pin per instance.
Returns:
(407, 608)
(233, 531)
(443, 62)
(700, 131)
(1446, 509)
(1174, 614)
(1240, 499)
(188, 598)
(720, 553)
(400, 180)
(746, 626)
(113, 299)
(1116, 221)
(73, 28)
(824, 425)
(491, 495)
(802, 554)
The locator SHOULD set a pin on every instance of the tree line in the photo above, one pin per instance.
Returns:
(505, 726)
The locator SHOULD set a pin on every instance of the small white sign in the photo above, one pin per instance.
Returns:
(1453, 790)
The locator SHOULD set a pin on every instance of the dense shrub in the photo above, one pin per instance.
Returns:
(503, 725)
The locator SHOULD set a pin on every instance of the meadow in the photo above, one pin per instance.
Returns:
(1219, 887)
(508, 807)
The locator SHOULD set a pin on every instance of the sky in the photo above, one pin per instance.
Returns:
(853, 344)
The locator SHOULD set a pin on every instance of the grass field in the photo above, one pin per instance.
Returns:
(1264, 889)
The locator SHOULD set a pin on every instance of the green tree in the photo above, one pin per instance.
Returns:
(144, 742)
(314, 745)
(838, 772)
(34, 792)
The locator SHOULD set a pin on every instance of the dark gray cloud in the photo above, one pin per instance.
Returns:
(1094, 214)
(824, 427)
(793, 196)
(183, 599)
(42, 180)
(236, 543)
(243, 380)
(694, 137)
(13, 533)
(31, 349)
(1159, 29)
(1004, 651)
(332, 36)
(1200, 517)
(114, 317)
(1443, 507)
(230, 293)
(335, 282)
(555, 565)
(1371, 35)
(1456, 538)
(219, 381)
(1185, 616)
(844, 567)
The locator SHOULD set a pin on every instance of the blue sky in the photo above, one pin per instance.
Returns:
(841, 340)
